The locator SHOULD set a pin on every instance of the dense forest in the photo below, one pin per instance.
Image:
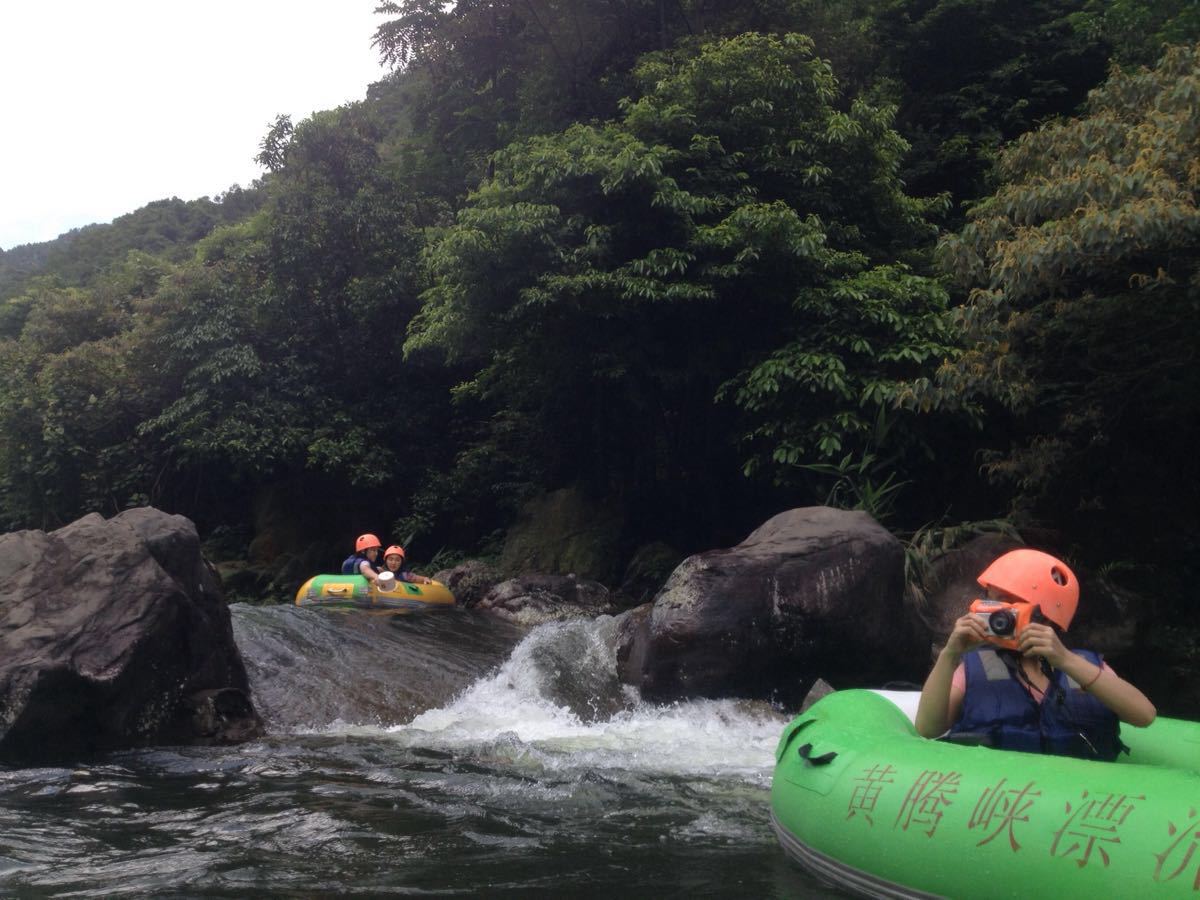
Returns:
(695, 262)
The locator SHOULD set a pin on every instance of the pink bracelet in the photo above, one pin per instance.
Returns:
(1099, 672)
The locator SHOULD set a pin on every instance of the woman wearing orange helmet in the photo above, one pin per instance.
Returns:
(393, 558)
(365, 558)
(1027, 691)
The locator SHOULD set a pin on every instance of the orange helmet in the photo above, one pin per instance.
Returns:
(365, 542)
(395, 548)
(1036, 577)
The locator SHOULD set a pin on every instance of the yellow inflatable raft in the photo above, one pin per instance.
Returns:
(355, 592)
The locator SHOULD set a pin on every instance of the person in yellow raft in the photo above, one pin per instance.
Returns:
(393, 559)
(365, 559)
(1005, 679)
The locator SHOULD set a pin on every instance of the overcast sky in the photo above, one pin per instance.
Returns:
(109, 104)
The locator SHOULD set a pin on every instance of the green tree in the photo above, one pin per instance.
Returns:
(1084, 277)
(734, 228)
(165, 228)
(473, 76)
(1138, 30)
(283, 340)
(970, 75)
(70, 400)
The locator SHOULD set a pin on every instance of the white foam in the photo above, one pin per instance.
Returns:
(515, 712)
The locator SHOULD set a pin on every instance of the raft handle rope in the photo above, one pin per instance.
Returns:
(824, 759)
(1091, 746)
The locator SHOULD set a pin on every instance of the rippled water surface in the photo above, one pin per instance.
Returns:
(440, 753)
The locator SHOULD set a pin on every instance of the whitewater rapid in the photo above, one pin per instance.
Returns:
(446, 754)
(552, 703)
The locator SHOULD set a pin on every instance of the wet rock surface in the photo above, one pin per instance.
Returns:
(535, 599)
(813, 592)
(113, 634)
(469, 581)
(1108, 621)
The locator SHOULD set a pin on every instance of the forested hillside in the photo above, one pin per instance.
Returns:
(166, 228)
(699, 261)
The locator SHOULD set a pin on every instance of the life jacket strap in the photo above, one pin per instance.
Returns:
(993, 666)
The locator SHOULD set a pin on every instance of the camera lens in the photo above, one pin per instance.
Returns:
(1002, 623)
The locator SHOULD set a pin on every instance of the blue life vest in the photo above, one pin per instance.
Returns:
(1067, 722)
(350, 565)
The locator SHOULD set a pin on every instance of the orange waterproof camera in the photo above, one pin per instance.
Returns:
(1004, 621)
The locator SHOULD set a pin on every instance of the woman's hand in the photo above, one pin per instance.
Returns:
(968, 631)
(940, 704)
(1042, 641)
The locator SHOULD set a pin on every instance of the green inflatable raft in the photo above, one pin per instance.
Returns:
(355, 592)
(868, 805)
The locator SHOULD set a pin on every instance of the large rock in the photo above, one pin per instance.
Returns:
(947, 584)
(814, 592)
(115, 634)
(1109, 619)
(469, 581)
(633, 642)
(537, 599)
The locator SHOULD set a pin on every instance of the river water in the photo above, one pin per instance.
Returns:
(440, 753)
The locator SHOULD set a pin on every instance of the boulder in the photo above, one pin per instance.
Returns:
(947, 585)
(535, 599)
(813, 592)
(469, 581)
(1109, 619)
(821, 688)
(114, 634)
(633, 638)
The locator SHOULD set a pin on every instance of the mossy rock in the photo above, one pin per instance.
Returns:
(563, 533)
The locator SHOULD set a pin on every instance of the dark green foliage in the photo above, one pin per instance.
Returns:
(71, 404)
(272, 154)
(20, 264)
(1084, 316)
(730, 228)
(973, 74)
(1138, 30)
(476, 76)
(644, 247)
(287, 333)
(168, 228)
